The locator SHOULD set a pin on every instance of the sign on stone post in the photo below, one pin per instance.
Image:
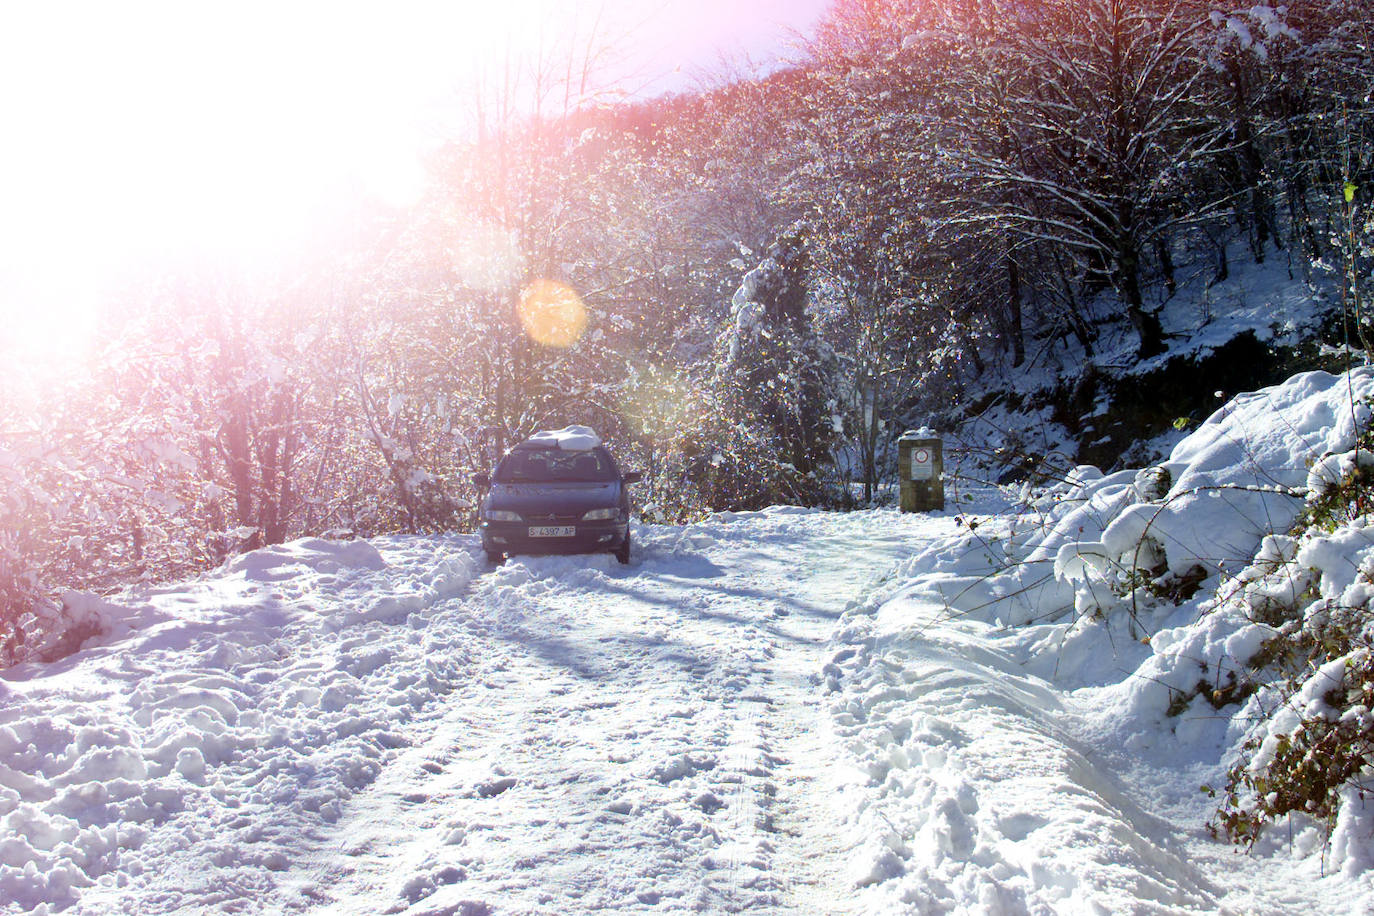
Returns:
(921, 471)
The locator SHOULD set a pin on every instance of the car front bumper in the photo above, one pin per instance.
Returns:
(587, 537)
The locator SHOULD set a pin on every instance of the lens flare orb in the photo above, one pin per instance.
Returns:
(553, 313)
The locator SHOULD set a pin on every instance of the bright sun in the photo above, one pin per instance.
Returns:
(151, 131)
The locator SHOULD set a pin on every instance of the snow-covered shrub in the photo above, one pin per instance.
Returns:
(1339, 487)
(35, 625)
(769, 430)
(1271, 501)
(18, 594)
(32, 623)
(1315, 746)
(730, 461)
(1135, 539)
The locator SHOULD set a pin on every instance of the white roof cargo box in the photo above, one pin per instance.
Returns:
(569, 438)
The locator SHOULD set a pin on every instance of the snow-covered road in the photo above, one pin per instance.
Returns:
(394, 726)
(642, 736)
(784, 712)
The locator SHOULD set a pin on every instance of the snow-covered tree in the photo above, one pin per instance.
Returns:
(1084, 126)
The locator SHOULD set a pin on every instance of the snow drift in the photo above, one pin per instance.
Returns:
(1017, 693)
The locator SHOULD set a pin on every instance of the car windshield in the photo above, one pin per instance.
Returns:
(553, 465)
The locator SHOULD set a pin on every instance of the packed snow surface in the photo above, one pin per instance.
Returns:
(789, 711)
(395, 725)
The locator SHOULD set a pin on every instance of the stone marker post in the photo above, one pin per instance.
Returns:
(921, 470)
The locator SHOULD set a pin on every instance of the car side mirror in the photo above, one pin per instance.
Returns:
(482, 480)
(631, 477)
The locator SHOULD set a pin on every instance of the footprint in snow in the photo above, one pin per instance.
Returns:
(709, 802)
(495, 787)
(680, 766)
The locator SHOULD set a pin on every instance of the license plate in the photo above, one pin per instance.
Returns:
(549, 531)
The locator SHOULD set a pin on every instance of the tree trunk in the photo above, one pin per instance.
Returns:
(1258, 214)
(1166, 264)
(1014, 329)
(868, 396)
(234, 440)
(1146, 323)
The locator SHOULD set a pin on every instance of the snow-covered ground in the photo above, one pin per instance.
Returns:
(1024, 710)
(790, 711)
(394, 726)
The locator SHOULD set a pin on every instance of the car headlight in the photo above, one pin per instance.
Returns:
(501, 515)
(600, 515)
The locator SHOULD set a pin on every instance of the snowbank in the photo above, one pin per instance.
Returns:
(1241, 475)
(208, 701)
(1022, 690)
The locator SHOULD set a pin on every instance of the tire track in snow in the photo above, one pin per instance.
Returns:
(643, 738)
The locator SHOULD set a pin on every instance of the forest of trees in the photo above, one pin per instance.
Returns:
(735, 286)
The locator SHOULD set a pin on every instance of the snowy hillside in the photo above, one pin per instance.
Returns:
(1257, 327)
(790, 711)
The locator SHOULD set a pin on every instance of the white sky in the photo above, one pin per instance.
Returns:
(138, 131)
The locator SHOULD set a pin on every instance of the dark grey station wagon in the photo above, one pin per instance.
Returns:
(557, 492)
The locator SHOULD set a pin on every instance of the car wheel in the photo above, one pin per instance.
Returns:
(622, 553)
(496, 557)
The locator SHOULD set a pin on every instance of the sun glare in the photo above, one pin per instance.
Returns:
(146, 134)
(140, 135)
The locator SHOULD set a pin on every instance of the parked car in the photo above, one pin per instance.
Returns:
(559, 491)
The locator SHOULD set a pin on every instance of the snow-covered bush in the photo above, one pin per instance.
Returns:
(40, 538)
(1125, 538)
(35, 623)
(769, 428)
(1338, 488)
(1313, 753)
(1236, 580)
(18, 594)
(1274, 494)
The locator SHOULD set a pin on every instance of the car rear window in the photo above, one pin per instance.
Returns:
(554, 465)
